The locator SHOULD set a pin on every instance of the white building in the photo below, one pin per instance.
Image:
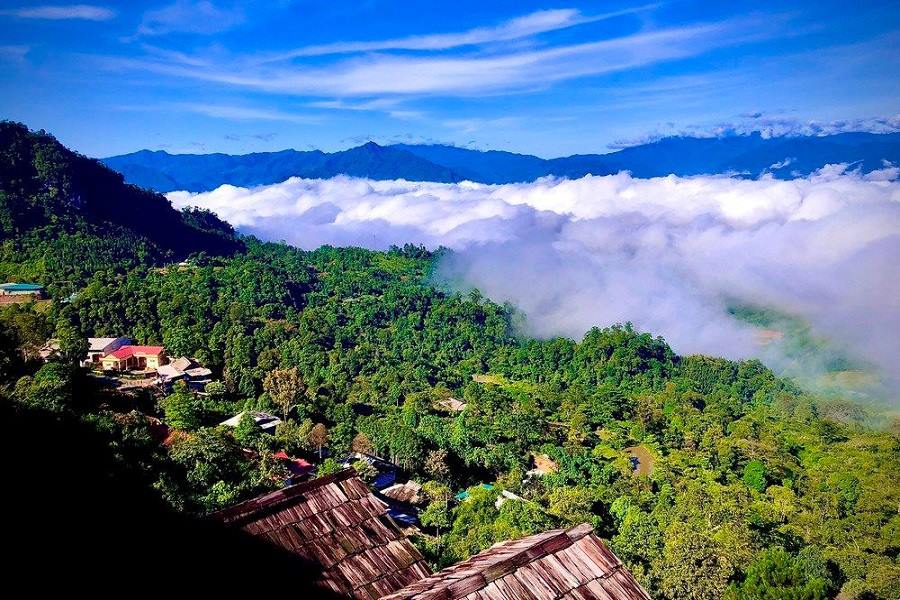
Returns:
(266, 422)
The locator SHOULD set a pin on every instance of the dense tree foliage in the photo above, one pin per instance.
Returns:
(747, 483)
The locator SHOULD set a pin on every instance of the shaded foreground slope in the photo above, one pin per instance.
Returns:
(82, 522)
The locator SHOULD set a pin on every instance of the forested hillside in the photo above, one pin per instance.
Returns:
(749, 488)
(64, 216)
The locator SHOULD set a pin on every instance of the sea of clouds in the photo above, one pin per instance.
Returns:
(668, 254)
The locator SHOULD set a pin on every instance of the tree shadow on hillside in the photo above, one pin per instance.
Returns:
(77, 521)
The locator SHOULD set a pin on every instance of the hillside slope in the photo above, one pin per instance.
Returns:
(758, 490)
(63, 215)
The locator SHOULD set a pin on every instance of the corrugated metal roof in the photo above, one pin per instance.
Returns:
(338, 523)
(261, 418)
(21, 287)
(560, 564)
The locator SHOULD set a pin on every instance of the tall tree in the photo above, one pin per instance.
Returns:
(285, 388)
(318, 437)
(182, 409)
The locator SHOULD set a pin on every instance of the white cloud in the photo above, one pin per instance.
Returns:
(532, 24)
(770, 126)
(373, 75)
(664, 253)
(84, 12)
(389, 106)
(228, 112)
(188, 16)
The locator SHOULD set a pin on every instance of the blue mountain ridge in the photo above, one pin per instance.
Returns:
(746, 155)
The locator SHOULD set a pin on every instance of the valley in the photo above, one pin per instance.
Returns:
(363, 362)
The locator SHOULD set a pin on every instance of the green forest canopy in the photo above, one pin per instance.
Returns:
(756, 486)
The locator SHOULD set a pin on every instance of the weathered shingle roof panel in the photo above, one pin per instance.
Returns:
(407, 493)
(564, 563)
(337, 522)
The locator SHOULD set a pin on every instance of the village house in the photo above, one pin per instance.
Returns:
(506, 495)
(335, 522)
(406, 493)
(98, 347)
(298, 468)
(385, 471)
(135, 358)
(11, 293)
(452, 404)
(560, 564)
(184, 369)
(404, 501)
(268, 423)
(543, 465)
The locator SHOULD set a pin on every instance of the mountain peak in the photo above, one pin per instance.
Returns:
(752, 155)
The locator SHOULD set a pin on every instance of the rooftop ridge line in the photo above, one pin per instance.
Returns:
(248, 510)
(559, 540)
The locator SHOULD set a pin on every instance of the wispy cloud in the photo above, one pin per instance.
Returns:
(768, 126)
(186, 16)
(14, 53)
(229, 112)
(535, 23)
(84, 12)
(475, 124)
(258, 137)
(389, 106)
(468, 74)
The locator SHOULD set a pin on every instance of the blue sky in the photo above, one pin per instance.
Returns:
(547, 79)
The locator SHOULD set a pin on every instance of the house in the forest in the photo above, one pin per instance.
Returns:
(298, 468)
(385, 471)
(184, 369)
(404, 501)
(336, 523)
(98, 347)
(268, 423)
(21, 289)
(20, 292)
(134, 358)
(570, 564)
(452, 404)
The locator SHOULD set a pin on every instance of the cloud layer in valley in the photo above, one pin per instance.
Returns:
(668, 254)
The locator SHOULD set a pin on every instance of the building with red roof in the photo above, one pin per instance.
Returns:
(297, 467)
(134, 358)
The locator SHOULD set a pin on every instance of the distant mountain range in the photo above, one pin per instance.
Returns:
(747, 155)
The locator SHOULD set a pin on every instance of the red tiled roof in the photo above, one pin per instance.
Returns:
(569, 564)
(336, 522)
(297, 466)
(129, 351)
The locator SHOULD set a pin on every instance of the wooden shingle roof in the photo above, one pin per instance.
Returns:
(570, 564)
(336, 522)
(407, 493)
